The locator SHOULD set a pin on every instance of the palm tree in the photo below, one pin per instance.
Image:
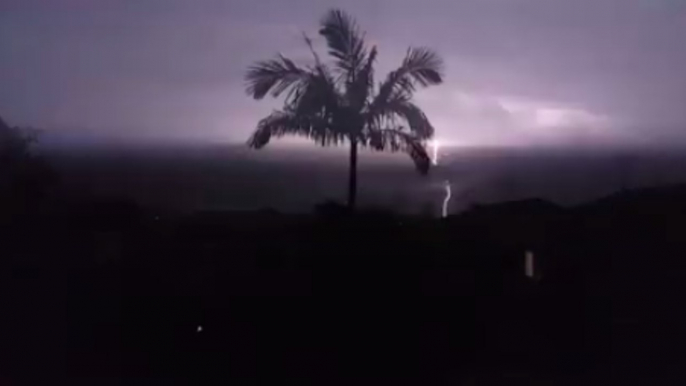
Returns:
(332, 103)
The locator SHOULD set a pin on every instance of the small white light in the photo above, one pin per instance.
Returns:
(529, 264)
(199, 329)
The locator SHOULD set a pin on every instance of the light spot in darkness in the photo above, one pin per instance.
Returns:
(529, 264)
(446, 200)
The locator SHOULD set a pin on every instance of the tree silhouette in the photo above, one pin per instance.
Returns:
(24, 176)
(332, 103)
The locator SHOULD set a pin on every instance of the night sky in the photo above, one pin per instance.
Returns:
(518, 72)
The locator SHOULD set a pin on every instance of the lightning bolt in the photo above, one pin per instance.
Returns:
(434, 156)
(446, 200)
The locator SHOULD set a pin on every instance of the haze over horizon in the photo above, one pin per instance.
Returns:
(518, 72)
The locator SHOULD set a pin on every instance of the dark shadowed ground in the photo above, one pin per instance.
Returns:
(294, 179)
(109, 292)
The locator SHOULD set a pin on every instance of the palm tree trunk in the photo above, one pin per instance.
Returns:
(352, 177)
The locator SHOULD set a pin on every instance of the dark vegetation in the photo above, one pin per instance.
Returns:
(339, 102)
(24, 177)
(108, 292)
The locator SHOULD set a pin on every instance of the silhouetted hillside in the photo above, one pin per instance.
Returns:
(24, 177)
(110, 289)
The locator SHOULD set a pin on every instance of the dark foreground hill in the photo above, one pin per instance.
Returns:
(109, 293)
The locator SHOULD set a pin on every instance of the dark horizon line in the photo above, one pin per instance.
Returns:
(49, 143)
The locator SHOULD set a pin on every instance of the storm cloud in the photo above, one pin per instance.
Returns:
(518, 71)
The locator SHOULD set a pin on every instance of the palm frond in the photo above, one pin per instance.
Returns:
(275, 75)
(315, 96)
(421, 66)
(345, 41)
(399, 106)
(400, 140)
(277, 124)
(310, 46)
(281, 123)
(359, 90)
(367, 73)
(320, 87)
(424, 66)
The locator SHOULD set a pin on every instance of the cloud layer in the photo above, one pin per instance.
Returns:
(519, 71)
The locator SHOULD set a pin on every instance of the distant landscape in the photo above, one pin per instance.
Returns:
(355, 192)
(188, 178)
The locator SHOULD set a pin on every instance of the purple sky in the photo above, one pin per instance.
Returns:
(518, 71)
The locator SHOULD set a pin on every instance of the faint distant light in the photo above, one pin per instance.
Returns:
(529, 264)
(446, 200)
(199, 329)
(157, 218)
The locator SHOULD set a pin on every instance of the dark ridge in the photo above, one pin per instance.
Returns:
(114, 291)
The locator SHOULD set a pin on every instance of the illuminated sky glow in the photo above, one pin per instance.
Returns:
(519, 72)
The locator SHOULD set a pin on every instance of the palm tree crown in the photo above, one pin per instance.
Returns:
(332, 103)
